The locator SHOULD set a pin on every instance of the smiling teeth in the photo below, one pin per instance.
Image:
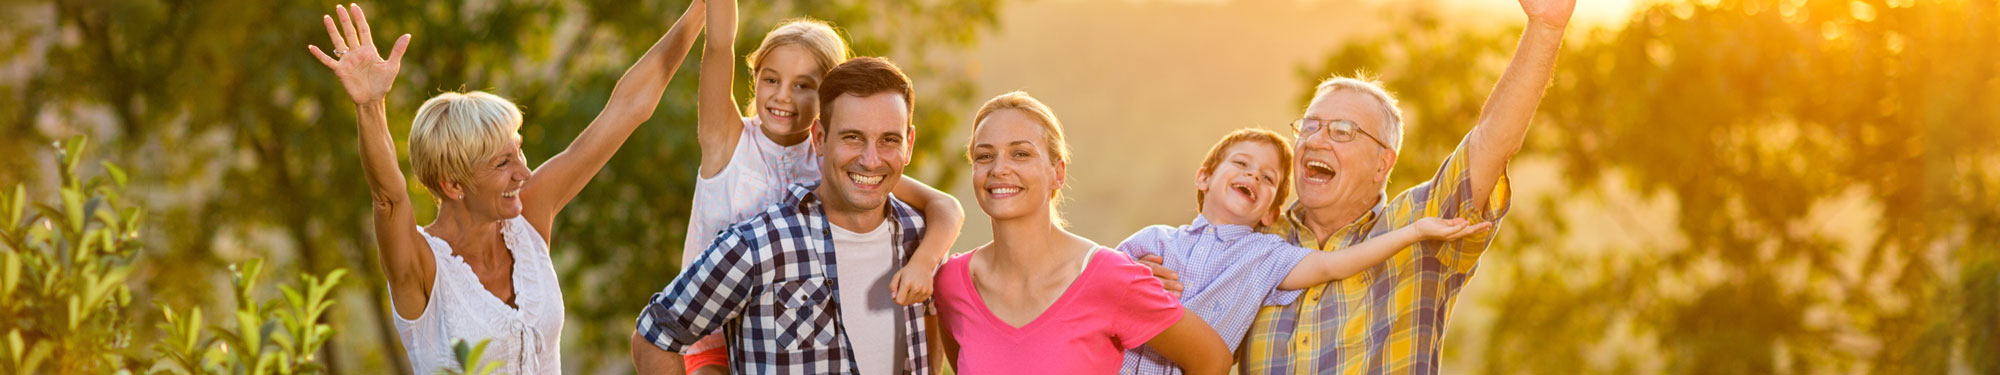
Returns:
(1002, 191)
(782, 113)
(511, 193)
(1316, 164)
(864, 180)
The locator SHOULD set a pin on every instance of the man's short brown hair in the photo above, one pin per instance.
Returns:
(865, 76)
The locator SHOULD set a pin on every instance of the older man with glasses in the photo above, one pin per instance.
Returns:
(1391, 318)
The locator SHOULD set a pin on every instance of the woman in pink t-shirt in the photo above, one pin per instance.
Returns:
(1038, 299)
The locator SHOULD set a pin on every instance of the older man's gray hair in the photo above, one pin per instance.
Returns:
(1393, 130)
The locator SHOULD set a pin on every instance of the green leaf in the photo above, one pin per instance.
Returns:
(109, 282)
(73, 209)
(36, 355)
(194, 323)
(264, 363)
(191, 326)
(284, 342)
(332, 280)
(246, 322)
(72, 154)
(292, 296)
(113, 246)
(75, 311)
(14, 346)
(20, 202)
(460, 350)
(10, 275)
(86, 247)
(117, 174)
(474, 362)
(108, 218)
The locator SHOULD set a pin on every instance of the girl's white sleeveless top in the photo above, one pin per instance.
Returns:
(758, 172)
(526, 339)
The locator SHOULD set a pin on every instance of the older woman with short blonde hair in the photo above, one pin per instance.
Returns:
(482, 270)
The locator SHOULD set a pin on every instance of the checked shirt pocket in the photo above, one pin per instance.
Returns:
(804, 316)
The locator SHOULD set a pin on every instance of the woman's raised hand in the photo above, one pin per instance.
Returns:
(355, 60)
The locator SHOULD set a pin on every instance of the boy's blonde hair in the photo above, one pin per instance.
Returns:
(1052, 134)
(454, 133)
(1272, 138)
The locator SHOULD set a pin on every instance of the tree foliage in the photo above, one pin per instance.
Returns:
(62, 277)
(65, 302)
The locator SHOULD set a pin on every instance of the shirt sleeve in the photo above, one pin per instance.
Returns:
(1276, 260)
(713, 290)
(1146, 310)
(1449, 195)
(1150, 240)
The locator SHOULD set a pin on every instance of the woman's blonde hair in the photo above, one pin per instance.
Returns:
(1052, 136)
(455, 132)
(817, 37)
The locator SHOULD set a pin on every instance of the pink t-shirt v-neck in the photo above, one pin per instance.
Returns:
(1113, 306)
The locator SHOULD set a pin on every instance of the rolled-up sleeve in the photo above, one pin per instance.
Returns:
(1449, 195)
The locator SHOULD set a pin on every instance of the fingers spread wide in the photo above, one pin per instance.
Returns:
(323, 58)
(333, 32)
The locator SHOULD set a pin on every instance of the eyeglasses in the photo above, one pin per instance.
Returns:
(1342, 130)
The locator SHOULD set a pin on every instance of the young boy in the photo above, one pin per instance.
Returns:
(1229, 270)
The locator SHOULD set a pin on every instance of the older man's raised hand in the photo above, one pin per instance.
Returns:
(1551, 13)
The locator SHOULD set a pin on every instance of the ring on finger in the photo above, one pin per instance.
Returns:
(339, 53)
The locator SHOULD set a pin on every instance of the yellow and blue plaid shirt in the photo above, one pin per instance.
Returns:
(1391, 317)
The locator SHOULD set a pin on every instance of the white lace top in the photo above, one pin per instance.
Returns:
(526, 339)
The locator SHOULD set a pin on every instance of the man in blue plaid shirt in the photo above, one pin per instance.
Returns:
(785, 300)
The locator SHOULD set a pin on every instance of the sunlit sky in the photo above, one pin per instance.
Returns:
(1594, 12)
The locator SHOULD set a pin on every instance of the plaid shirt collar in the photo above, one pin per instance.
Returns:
(1295, 230)
(805, 204)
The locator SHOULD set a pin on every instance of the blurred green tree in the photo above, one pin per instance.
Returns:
(1760, 123)
(65, 306)
(242, 146)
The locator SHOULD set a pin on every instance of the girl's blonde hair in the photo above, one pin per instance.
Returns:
(817, 37)
(1052, 135)
(455, 132)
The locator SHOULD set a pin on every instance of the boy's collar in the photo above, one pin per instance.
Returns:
(1202, 221)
